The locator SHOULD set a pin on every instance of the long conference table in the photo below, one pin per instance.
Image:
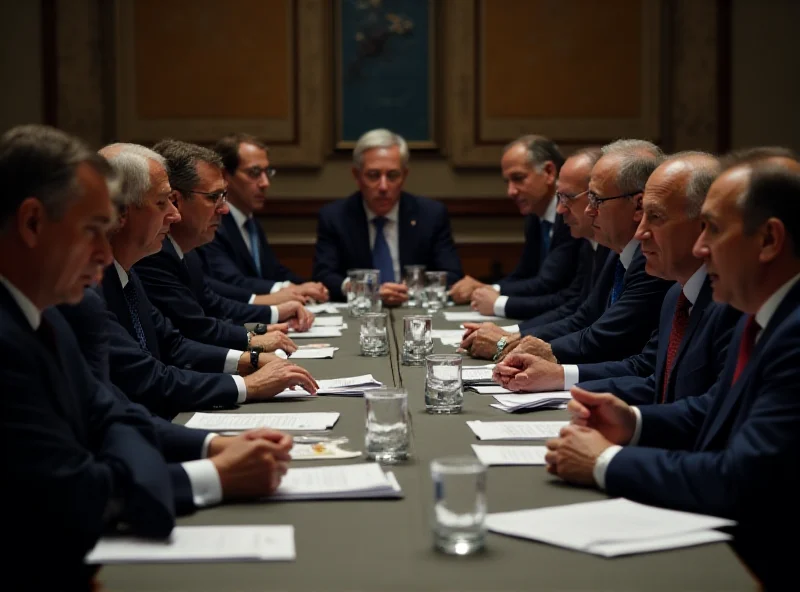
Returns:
(387, 544)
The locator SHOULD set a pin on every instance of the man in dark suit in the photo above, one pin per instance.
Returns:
(732, 451)
(240, 254)
(623, 308)
(174, 279)
(381, 226)
(686, 354)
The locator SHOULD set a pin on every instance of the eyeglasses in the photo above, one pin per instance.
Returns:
(216, 197)
(255, 172)
(595, 201)
(565, 198)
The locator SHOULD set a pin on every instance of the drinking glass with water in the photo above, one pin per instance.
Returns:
(459, 504)
(443, 387)
(387, 438)
(366, 293)
(415, 280)
(435, 290)
(373, 339)
(417, 340)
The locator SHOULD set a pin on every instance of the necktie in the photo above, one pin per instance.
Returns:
(680, 321)
(133, 308)
(545, 239)
(746, 344)
(381, 257)
(255, 250)
(619, 275)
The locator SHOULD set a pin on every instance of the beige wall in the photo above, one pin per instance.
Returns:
(20, 63)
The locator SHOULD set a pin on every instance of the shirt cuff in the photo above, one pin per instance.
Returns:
(572, 375)
(204, 479)
(252, 299)
(232, 361)
(601, 465)
(637, 432)
(511, 328)
(274, 315)
(277, 286)
(500, 306)
(206, 444)
(241, 387)
(496, 288)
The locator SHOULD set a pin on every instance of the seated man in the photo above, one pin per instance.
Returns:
(240, 255)
(687, 353)
(381, 226)
(174, 279)
(733, 451)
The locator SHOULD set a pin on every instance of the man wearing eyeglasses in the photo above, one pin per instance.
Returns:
(239, 261)
(174, 279)
(381, 226)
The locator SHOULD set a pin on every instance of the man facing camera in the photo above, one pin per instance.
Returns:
(381, 226)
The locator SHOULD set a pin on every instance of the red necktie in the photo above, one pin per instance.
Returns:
(680, 321)
(746, 344)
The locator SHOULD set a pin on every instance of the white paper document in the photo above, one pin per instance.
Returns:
(474, 375)
(489, 389)
(319, 353)
(510, 455)
(321, 451)
(248, 421)
(338, 482)
(353, 386)
(316, 333)
(326, 308)
(448, 336)
(532, 401)
(468, 317)
(334, 321)
(516, 430)
(191, 544)
(610, 527)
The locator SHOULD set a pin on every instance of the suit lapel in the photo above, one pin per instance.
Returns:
(358, 231)
(231, 232)
(64, 388)
(145, 316)
(115, 299)
(406, 230)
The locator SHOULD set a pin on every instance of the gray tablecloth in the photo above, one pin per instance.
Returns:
(386, 544)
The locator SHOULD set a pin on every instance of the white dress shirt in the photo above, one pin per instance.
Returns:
(548, 216)
(241, 219)
(390, 233)
(762, 317)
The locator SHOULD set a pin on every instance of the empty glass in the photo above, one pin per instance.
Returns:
(443, 389)
(415, 280)
(417, 341)
(366, 292)
(435, 290)
(373, 338)
(387, 438)
(459, 506)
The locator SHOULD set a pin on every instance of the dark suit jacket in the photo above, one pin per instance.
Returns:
(179, 290)
(555, 272)
(698, 363)
(231, 291)
(610, 332)
(424, 238)
(177, 375)
(71, 450)
(227, 260)
(733, 451)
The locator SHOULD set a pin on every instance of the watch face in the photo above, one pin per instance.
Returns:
(260, 329)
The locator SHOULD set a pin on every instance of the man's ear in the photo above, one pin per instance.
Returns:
(773, 240)
(30, 221)
(639, 212)
(549, 169)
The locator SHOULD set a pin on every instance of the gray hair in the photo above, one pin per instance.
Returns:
(642, 147)
(129, 161)
(379, 138)
(639, 158)
(539, 150)
(704, 168)
(756, 155)
(182, 159)
(41, 161)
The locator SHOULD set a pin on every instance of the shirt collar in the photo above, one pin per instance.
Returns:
(177, 248)
(691, 289)
(768, 309)
(627, 253)
(594, 244)
(238, 215)
(550, 213)
(393, 215)
(28, 308)
(123, 275)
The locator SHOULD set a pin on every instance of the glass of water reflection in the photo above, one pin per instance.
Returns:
(417, 339)
(373, 338)
(415, 280)
(387, 438)
(435, 290)
(459, 504)
(443, 388)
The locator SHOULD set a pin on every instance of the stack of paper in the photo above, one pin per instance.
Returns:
(189, 544)
(249, 421)
(489, 389)
(510, 455)
(335, 321)
(468, 317)
(532, 401)
(313, 353)
(327, 307)
(610, 527)
(448, 336)
(316, 333)
(516, 430)
(478, 375)
(339, 482)
(343, 387)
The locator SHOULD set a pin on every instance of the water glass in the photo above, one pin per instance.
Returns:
(373, 338)
(350, 286)
(435, 290)
(366, 293)
(387, 438)
(415, 280)
(443, 388)
(459, 506)
(417, 340)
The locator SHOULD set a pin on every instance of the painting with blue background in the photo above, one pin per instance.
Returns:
(385, 68)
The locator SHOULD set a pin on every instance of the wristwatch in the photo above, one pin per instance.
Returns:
(254, 357)
(260, 329)
(501, 345)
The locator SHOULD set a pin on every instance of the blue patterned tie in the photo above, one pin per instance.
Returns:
(133, 307)
(545, 239)
(619, 275)
(255, 251)
(381, 256)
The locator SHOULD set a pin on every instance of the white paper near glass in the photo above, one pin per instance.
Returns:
(532, 401)
(353, 386)
(516, 430)
(334, 321)
(510, 455)
(321, 451)
(468, 317)
(358, 481)
(316, 333)
(451, 337)
(320, 353)
(250, 421)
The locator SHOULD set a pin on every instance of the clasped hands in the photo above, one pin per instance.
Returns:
(480, 341)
